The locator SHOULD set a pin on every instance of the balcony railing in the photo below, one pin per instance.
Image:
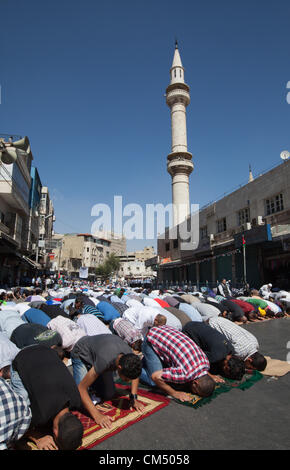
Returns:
(4, 228)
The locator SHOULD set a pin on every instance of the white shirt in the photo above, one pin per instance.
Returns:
(66, 304)
(21, 308)
(141, 318)
(149, 302)
(275, 308)
(69, 331)
(8, 351)
(245, 344)
(94, 300)
(134, 303)
(266, 288)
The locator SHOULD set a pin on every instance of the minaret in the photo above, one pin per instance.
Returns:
(179, 161)
(251, 178)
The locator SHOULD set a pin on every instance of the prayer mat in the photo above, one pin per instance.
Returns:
(119, 410)
(276, 367)
(249, 379)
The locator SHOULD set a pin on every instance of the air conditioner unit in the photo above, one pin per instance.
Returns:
(246, 226)
(34, 246)
(260, 220)
(211, 237)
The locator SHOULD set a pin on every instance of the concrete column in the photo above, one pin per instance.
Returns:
(180, 197)
(213, 270)
(234, 275)
(178, 125)
(197, 273)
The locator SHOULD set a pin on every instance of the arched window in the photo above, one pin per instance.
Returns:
(174, 72)
(180, 73)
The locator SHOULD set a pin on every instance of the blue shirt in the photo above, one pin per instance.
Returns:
(109, 311)
(190, 311)
(33, 315)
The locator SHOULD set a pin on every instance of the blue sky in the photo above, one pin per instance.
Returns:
(85, 81)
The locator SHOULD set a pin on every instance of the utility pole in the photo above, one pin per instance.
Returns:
(59, 257)
(244, 259)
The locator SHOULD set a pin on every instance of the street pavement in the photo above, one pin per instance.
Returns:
(257, 418)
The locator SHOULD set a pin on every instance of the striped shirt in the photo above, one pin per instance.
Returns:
(127, 331)
(244, 343)
(185, 361)
(15, 415)
(93, 311)
(92, 325)
(121, 307)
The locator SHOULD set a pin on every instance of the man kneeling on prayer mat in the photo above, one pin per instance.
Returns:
(219, 351)
(45, 383)
(172, 360)
(94, 359)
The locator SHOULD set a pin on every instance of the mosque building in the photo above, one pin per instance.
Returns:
(253, 220)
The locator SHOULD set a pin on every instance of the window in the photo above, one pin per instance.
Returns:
(180, 72)
(275, 204)
(167, 247)
(175, 72)
(244, 216)
(221, 225)
(175, 243)
(203, 232)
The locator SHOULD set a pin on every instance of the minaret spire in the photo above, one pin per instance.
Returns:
(179, 161)
(251, 178)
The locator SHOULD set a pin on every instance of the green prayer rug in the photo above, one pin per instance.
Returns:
(248, 380)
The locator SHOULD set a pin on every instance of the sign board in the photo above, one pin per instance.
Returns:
(259, 234)
(41, 243)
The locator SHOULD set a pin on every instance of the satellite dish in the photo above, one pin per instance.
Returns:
(285, 155)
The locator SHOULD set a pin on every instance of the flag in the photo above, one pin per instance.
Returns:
(243, 240)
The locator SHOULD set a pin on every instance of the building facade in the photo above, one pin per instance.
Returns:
(133, 265)
(15, 183)
(73, 251)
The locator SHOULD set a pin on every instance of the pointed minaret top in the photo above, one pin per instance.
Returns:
(251, 178)
(176, 59)
(177, 70)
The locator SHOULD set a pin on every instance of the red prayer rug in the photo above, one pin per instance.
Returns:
(119, 410)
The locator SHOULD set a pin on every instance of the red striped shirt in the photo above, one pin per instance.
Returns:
(185, 360)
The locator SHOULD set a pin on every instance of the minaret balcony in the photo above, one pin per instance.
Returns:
(179, 163)
(178, 95)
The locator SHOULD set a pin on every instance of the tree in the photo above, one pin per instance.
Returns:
(110, 266)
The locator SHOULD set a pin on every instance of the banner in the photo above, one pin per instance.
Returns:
(83, 274)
